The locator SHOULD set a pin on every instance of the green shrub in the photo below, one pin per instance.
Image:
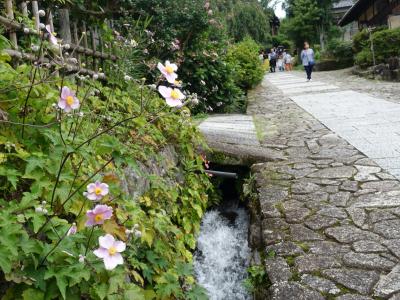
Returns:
(248, 68)
(364, 58)
(38, 260)
(340, 50)
(386, 44)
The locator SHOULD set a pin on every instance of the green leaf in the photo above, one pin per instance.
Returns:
(11, 175)
(32, 294)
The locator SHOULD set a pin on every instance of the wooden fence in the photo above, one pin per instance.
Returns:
(75, 37)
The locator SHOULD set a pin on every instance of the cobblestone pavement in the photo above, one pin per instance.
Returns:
(328, 220)
(370, 124)
(346, 80)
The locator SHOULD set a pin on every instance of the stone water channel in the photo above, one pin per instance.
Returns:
(327, 225)
(223, 255)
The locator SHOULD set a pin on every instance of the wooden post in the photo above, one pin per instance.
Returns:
(35, 12)
(93, 37)
(24, 8)
(65, 29)
(10, 15)
(76, 40)
(101, 51)
(85, 40)
(51, 22)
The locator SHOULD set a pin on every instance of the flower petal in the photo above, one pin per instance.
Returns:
(171, 77)
(65, 92)
(172, 102)
(165, 91)
(120, 246)
(106, 241)
(92, 196)
(62, 103)
(91, 188)
(75, 105)
(101, 252)
(111, 261)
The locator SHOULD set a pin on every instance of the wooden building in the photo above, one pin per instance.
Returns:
(373, 13)
(339, 9)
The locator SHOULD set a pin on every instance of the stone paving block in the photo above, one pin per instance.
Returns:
(277, 270)
(367, 261)
(293, 291)
(389, 284)
(320, 284)
(358, 280)
(312, 263)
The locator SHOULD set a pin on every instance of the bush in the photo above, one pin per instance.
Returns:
(364, 58)
(39, 260)
(340, 50)
(386, 44)
(248, 68)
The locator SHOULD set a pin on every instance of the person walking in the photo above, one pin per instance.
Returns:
(280, 63)
(272, 60)
(308, 60)
(288, 62)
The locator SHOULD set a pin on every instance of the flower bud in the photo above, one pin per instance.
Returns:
(26, 30)
(42, 26)
(95, 76)
(42, 13)
(127, 78)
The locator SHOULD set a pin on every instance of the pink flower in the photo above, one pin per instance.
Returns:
(173, 97)
(96, 191)
(168, 71)
(68, 101)
(53, 39)
(98, 215)
(72, 230)
(110, 251)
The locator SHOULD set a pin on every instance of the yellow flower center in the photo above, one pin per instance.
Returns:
(97, 191)
(99, 217)
(169, 69)
(112, 250)
(70, 100)
(174, 95)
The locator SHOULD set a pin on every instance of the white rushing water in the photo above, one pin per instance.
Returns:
(222, 255)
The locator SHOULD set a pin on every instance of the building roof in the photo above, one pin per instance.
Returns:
(343, 4)
(353, 13)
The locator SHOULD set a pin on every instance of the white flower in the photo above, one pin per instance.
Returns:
(127, 78)
(42, 26)
(26, 30)
(42, 13)
(173, 97)
(67, 46)
(82, 258)
(95, 76)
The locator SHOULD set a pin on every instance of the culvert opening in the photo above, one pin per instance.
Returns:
(223, 253)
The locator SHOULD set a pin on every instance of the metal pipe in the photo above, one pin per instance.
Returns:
(222, 174)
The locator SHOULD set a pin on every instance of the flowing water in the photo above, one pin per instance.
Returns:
(222, 255)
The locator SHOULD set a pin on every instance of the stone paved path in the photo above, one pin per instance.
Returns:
(327, 220)
(370, 124)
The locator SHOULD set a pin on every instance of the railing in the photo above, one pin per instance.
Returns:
(82, 44)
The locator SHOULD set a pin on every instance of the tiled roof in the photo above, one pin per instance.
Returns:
(343, 4)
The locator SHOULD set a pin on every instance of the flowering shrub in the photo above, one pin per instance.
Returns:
(68, 229)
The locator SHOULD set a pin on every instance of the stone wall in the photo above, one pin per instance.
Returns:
(389, 71)
(136, 181)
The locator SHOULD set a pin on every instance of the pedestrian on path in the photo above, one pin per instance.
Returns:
(279, 63)
(288, 62)
(272, 60)
(308, 60)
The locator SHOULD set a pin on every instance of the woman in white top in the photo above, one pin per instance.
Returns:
(308, 60)
(288, 62)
